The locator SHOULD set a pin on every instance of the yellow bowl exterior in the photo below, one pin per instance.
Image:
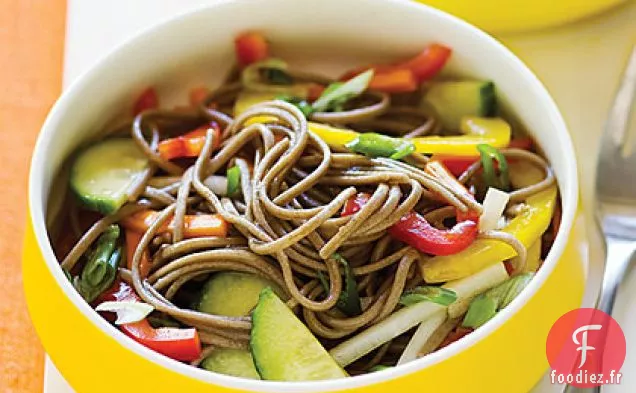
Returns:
(510, 359)
(518, 15)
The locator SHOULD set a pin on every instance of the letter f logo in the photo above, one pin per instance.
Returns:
(583, 344)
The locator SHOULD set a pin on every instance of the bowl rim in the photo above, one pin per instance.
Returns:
(37, 217)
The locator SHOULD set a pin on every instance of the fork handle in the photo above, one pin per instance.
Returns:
(619, 254)
(617, 257)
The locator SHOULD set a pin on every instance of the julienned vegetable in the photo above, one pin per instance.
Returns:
(132, 241)
(407, 75)
(378, 145)
(421, 336)
(101, 266)
(179, 344)
(148, 99)
(439, 295)
(256, 77)
(355, 203)
(486, 305)
(349, 301)
(127, 311)
(394, 81)
(440, 172)
(408, 317)
(414, 230)
(283, 348)
(194, 225)
(494, 205)
(102, 173)
(496, 177)
(250, 48)
(336, 94)
(495, 132)
(233, 181)
(190, 144)
(527, 227)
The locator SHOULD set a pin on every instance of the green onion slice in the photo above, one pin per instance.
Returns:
(486, 305)
(336, 94)
(101, 268)
(233, 181)
(439, 295)
(489, 155)
(349, 300)
(378, 145)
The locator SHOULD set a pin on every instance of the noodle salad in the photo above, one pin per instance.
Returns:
(287, 226)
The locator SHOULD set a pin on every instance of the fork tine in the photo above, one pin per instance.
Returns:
(617, 122)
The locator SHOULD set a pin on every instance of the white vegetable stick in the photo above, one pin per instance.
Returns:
(438, 337)
(421, 336)
(469, 287)
(401, 321)
(394, 325)
(494, 205)
(216, 183)
(127, 311)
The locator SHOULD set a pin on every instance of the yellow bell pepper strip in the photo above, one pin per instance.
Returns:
(333, 136)
(247, 99)
(533, 260)
(527, 227)
(492, 131)
(477, 130)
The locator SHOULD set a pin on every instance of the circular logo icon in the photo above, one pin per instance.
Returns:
(586, 348)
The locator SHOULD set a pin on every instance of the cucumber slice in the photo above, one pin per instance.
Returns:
(283, 348)
(454, 100)
(229, 361)
(232, 294)
(102, 174)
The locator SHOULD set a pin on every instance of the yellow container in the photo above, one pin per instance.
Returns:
(506, 355)
(518, 15)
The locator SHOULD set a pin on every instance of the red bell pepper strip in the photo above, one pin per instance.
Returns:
(250, 48)
(428, 62)
(455, 164)
(394, 78)
(190, 144)
(179, 344)
(198, 94)
(414, 230)
(314, 91)
(132, 241)
(524, 143)
(148, 99)
(455, 335)
(398, 80)
(355, 203)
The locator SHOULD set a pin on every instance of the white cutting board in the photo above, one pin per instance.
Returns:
(579, 63)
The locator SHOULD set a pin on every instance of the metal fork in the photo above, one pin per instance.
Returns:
(616, 193)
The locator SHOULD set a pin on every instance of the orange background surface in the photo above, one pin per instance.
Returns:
(31, 53)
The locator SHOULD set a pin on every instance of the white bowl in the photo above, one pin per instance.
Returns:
(328, 36)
